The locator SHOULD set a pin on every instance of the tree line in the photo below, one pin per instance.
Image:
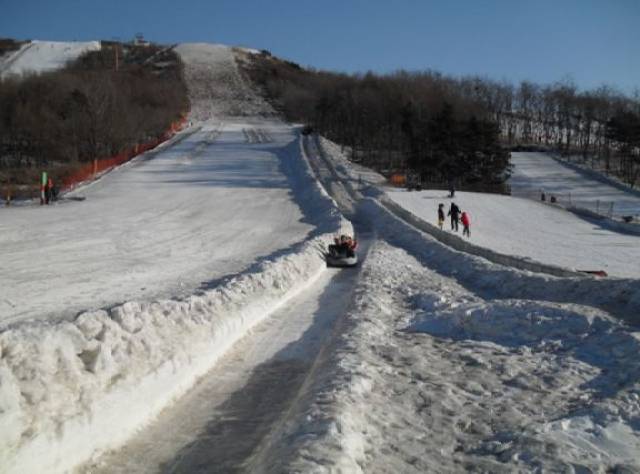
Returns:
(101, 104)
(420, 123)
(445, 128)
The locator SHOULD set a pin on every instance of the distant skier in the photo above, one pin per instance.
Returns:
(454, 212)
(466, 224)
(440, 215)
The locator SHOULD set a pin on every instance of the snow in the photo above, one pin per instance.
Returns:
(110, 371)
(203, 428)
(216, 87)
(527, 228)
(522, 227)
(534, 172)
(439, 360)
(430, 376)
(203, 209)
(222, 230)
(447, 362)
(42, 56)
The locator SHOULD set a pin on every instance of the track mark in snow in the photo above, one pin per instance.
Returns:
(253, 135)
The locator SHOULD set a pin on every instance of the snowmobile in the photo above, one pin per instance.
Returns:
(342, 253)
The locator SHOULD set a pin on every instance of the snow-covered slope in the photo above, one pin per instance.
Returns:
(445, 361)
(527, 228)
(536, 172)
(169, 260)
(429, 376)
(167, 227)
(41, 56)
(216, 88)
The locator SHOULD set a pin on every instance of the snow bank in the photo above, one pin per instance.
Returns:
(447, 363)
(601, 432)
(618, 296)
(426, 376)
(71, 389)
(42, 56)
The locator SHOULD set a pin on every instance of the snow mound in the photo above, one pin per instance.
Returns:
(42, 56)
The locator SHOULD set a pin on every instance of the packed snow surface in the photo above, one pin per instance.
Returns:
(200, 210)
(536, 172)
(527, 228)
(228, 415)
(216, 87)
(42, 56)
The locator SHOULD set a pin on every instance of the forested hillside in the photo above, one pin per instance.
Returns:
(105, 102)
(421, 121)
(455, 128)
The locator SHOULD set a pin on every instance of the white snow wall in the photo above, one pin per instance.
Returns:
(72, 389)
(620, 297)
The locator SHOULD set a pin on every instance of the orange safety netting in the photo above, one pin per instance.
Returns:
(100, 165)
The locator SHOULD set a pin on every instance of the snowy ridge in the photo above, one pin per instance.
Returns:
(42, 56)
(69, 390)
(353, 179)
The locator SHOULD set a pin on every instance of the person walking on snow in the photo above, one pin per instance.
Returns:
(440, 215)
(466, 224)
(454, 212)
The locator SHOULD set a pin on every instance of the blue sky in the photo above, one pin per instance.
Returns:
(590, 41)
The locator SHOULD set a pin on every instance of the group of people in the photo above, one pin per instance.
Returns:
(457, 216)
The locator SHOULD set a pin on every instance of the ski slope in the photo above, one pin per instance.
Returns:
(535, 172)
(207, 259)
(41, 56)
(526, 228)
(228, 416)
(205, 208)
(529, 228)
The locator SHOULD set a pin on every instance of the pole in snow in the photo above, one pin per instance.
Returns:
(43, 183)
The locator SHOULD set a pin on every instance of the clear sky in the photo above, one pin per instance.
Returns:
(590, 41)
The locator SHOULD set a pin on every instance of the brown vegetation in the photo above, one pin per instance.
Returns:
(454, 128)
(103, 103)
(420, 123)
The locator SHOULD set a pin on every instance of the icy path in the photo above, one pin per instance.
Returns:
(171, 226)
(225, 420)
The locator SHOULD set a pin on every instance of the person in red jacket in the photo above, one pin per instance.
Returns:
(466, 223)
